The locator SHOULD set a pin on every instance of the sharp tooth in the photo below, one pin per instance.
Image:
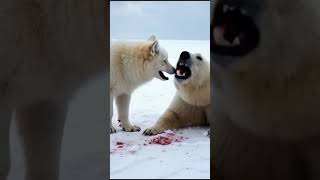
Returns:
(184, 74)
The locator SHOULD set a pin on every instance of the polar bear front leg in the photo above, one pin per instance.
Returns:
(169, 120)
(178, 115)
(123, 102)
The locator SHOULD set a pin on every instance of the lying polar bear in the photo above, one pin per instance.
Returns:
(190, 106)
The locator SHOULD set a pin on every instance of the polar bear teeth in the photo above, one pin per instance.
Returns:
(182, 70)
(183, 64)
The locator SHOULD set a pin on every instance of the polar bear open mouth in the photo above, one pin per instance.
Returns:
(182, 71)
(234, 31)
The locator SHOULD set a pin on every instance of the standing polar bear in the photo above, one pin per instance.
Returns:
(190, 106)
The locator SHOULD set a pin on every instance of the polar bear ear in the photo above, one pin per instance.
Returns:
(155, 48)
(152, 38)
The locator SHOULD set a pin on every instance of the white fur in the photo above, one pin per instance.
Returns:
(191, 104)
(133, 64)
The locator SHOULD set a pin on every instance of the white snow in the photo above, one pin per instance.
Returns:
(136, 158)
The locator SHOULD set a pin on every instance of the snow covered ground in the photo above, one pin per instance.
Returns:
(132, 155)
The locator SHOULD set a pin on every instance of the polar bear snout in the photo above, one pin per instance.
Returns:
(184, 55)
(234, 30)
(185, 59)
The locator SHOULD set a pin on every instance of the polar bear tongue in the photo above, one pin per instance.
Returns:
(180, 72)
(220, 39)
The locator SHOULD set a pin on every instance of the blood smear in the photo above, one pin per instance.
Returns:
(162, 140)
(119, 143)
(166, 138)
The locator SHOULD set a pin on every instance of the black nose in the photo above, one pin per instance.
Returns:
(185, 55)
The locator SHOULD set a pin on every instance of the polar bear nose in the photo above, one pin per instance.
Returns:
(185, 55)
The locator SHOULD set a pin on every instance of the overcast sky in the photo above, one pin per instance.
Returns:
(188, 20)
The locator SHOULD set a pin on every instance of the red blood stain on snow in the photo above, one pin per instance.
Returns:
(119, 146)
(161, 139)
(167, 138)
(119, 143)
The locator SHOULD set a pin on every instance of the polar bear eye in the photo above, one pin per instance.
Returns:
(199, 57)
(164, 61)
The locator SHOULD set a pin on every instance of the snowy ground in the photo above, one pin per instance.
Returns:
(187, 157)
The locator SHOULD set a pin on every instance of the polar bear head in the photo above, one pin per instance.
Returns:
(192, 79)
(191, 68)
